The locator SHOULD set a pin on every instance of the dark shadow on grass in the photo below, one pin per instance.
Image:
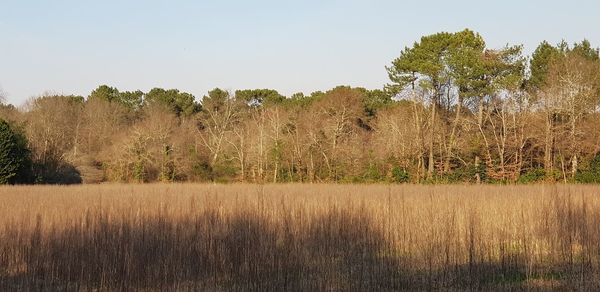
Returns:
(340, 251)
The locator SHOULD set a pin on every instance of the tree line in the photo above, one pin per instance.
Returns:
(453, 111)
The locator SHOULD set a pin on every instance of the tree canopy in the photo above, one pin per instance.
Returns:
(14, 155)
(454, 110)
(181, 103)
(258, 97)
(130, 99)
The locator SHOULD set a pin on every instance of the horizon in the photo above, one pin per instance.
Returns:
(71, 48)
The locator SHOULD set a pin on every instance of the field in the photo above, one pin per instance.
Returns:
(299, 237)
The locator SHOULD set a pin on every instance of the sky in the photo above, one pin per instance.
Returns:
(71, 47)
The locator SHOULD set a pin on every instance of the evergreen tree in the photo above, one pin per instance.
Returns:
(14, 155)
(181, 103)
(540, 63)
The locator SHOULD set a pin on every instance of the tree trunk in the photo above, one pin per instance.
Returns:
(421, 142)
(480, 125)
(549, 147)
(311, 171)
(574, 162)
(430, 167)
(477, 177)
(574, 165)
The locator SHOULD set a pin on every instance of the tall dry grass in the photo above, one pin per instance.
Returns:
(299, 237)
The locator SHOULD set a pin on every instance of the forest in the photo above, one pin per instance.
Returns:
(453, 111)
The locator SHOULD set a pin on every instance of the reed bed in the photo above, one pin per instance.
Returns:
(299, 237)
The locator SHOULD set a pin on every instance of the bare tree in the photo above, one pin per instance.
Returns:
(338, 115)
(573, 90)
(397, 136)
(220, 113)
(52, 130)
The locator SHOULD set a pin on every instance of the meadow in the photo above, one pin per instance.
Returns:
(299, 237)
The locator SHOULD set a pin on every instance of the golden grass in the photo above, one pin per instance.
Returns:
(299, 237)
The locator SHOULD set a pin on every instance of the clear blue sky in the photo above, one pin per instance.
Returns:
(71, 47)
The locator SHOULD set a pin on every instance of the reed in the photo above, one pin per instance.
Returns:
(299, 237)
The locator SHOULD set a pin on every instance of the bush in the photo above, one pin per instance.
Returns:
(224, 172)
(372, 174)
(15, 164)
(533, 176)
(591, 174)
(202, 171)
(54, 173)
(467, 174)
(400, 175)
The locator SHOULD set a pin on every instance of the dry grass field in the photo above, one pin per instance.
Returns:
(299, 237)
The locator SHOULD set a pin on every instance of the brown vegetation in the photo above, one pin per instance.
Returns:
(299, 237)
(454, 111)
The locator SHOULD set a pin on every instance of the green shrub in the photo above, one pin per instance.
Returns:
(202, 171)
(467, 174)
(400, 175)
(224, 172)
(533, 176)
(590, 174)
(372, 174)
(15, 164)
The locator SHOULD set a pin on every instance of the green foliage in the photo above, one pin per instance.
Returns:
(200, 167)
(302, 101)
(542, 58)
(584, 49)
(425, 59)
(216, 100)
(70, 99)
(15, 164)
(258, 97)
(400, 175)
(535, 175)
(461, 60)
(467, 99)
(374, 100)
(591, 174)
(545, 55)
(477, 71)
(105, 92)
(372, 174)
(167, 168)
(467, 67)
(276, 150)
(139, 171)
(507, 68)
(297, 95)
(181, 103)
(467, 174)
(224, 171)
(139, 167)
(130, 99)
(57, 173)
